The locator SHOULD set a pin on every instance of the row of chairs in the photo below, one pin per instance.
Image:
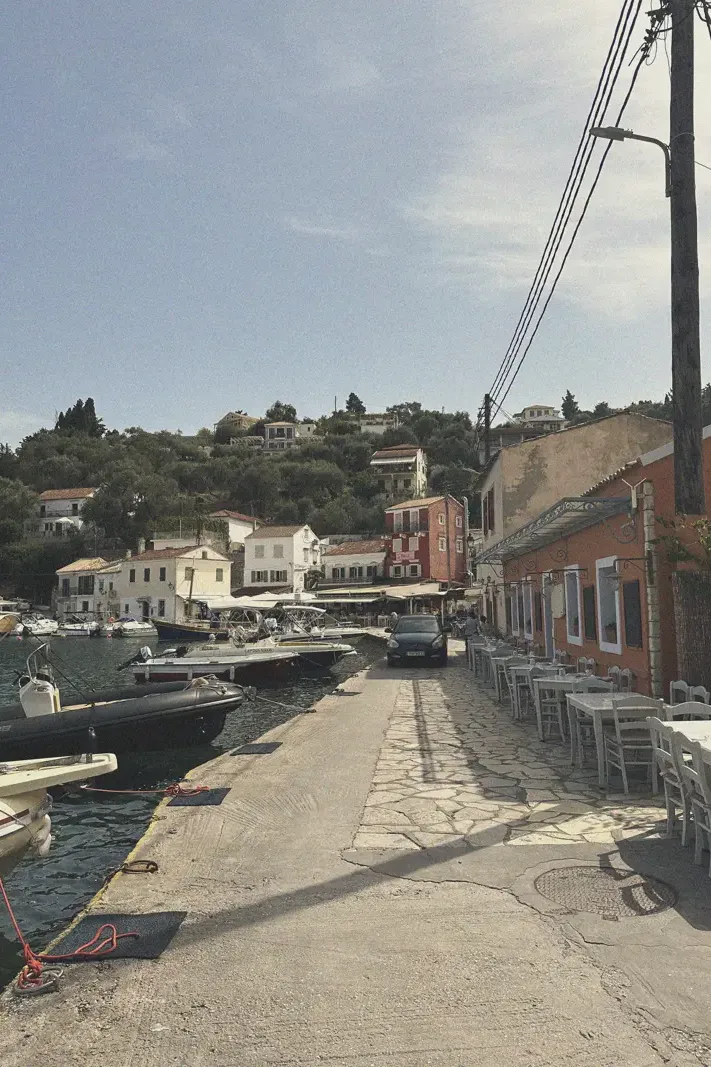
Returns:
(687, 788)
(680, 692)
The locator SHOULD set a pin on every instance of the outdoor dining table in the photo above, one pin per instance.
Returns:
(553, 679)
(599, 707)
(523, 670)
(698, 731)
(488, 656)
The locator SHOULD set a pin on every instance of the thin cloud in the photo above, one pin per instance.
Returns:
(326, 228)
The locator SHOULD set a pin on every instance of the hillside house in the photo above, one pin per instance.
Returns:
(281, 557)
(426, 540)
(401, 471)
(59, 512)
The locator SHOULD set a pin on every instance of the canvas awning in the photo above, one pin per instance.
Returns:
(568, 516)
(348, 599)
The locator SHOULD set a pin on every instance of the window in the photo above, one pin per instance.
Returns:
(381, 484)
(338, 572)
(406, 483)
(514, 609)
(491, 521)
(188, 574)
(442, 544)
(440, 518)
(371, 572)
(101, 585)
(355, 572)
(589, 614)
(125, 609)
(260, 576)
(306, 555)
(219, 574)
(65, 586)
(75, 509)
(161, 608)
(413, 543)
(413, 570)
(278, 552)
(259, 551)
(632, 608)
(397, 544)
(608, 606)
(161, 574)
(459, 522)
(43, 510)
(278, 576)
(460, 544)
(538, 612)
(527, 609)
(48, 526)
(203, 555)
(132, 575)
(396, 572)
(111, 587)
(85, 584)
(572, 605)
(85, 605)
(146, 574)
(414, 520)
(397, 521)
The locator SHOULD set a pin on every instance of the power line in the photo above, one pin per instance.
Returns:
(574, 180)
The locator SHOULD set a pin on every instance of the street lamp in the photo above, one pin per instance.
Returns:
(614, 133)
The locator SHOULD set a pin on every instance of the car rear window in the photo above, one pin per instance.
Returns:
(417, 626)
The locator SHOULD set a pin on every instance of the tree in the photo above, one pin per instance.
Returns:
(400, 435)
(17, 505)
(569, 407)
(280, 412)
(601, 409)
(355, 405)
(81, 418)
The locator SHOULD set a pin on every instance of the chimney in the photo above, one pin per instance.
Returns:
(129, 553)
(141, 545)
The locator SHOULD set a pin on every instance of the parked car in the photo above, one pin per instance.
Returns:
(418, 638)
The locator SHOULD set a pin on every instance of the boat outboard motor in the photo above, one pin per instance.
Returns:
(39, 696)
(142, 656)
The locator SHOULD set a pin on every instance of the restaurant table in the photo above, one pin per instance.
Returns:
(561, 683)
(698, 731)
(487, 655)
(599, 707)
(524, 670)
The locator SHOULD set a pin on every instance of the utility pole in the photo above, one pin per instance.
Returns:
(487, 428)
(689, 497)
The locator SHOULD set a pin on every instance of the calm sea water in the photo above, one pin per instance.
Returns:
(93, 833)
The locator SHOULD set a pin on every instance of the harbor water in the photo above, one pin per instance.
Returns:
(93, 832)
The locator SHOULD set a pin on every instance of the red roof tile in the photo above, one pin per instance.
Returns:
(66, 494)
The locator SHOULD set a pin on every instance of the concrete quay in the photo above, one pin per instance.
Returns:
(366, 895)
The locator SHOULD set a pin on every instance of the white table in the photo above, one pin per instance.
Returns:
(697, 730)
(523, 670)
(599, 707)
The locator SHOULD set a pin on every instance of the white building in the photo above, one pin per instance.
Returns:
(87, 586)
(377, 424)
(541, 417)
(401, 471)
(238, 526)
(354, 561)
(281, 556)
(59, 512)
(280, 436)
(161, 582)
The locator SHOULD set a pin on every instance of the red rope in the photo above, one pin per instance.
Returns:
(178, 789)
(30, 977)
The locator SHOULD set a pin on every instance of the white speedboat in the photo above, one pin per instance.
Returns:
(78, 626)
(127, 626)
(223, 661)
(25, 803)
(307, 622)
(36, 626)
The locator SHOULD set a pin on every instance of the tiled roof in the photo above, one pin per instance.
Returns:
(355, 548)
(396, 451)
(277, 531)
(66, 494)
(225, 514)
(164, 553)
(423, 502)
(92, 563)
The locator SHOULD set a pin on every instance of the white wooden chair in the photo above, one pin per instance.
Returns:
(508, 688)
(668, 758)
(630, 744)
(613, 673)
(694, 776)
(626, 680)
(582, 664)
(678, 692)
(583, 734)
(698, 692)
(689, 710)
(551, 710)
(590, 665)
(559, 656)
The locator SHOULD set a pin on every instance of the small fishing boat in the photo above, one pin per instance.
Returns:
(36, 626)
(299, 621)
(128, 626)
(184, 664)
(189, 630)
(79, 626)
(25, 804)
(130, 719)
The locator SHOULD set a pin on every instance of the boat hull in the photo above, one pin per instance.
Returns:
(183, 631)
(234, 671)
(158, 720)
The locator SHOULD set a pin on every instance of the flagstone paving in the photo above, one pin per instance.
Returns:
(454, 765)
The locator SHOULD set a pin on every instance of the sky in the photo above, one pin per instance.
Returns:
(211, 205)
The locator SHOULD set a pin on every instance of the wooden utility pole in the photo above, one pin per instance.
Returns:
(487, 428)
(689, 497)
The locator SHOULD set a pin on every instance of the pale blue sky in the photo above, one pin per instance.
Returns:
(209, 205)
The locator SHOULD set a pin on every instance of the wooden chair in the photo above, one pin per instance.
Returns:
(630, 744)
(613, 673)
(695, 780)
(582, 664)
(503, 669)
(678, 692)
(551, 710)
(668, 758)
(626, 680)
(698, 692)
(583, 733)
(690, 710)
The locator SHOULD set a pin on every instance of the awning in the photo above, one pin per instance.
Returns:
(415, 592)
(568, 516)
(348, 599)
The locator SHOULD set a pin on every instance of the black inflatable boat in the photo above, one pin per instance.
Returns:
(134, 719)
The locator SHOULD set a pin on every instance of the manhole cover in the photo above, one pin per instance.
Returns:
(614, 894)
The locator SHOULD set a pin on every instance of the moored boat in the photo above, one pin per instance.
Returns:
(36, 626)
(79, 626)
(25, 804)
(127, 626)
(121, 720)
(182, 664)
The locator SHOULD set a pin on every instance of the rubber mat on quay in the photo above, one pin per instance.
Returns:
(256, 748)
(208, 797)
(155, 932)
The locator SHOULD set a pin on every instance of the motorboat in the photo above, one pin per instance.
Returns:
(34, 625)
(306, 621)
(10, 614)
(79, 626)
(128, 626)
(25, 803)
(188, 630)
(130, 719)
(185, 664)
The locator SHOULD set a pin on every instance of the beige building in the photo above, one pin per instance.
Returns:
(401, 471)
(524, 480)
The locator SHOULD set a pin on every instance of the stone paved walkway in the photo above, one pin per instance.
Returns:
(454, 765)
